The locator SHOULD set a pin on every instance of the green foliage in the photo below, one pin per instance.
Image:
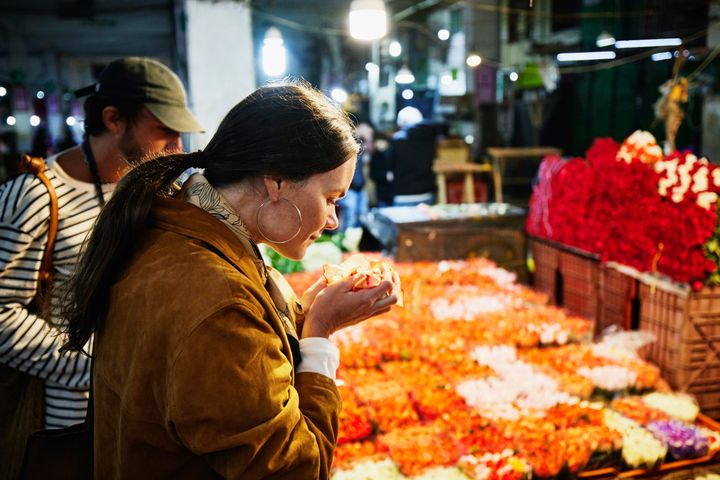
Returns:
(712, 252)
(285, 265)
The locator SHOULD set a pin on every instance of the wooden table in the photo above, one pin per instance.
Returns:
(499, 155)
(444, 167)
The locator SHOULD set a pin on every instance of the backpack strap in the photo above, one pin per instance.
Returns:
(37, 167)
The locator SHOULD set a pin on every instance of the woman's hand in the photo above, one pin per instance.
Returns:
(331, 308)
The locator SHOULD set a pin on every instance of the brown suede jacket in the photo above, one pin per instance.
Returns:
(193, 376)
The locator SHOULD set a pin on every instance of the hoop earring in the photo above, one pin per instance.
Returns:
(258, 222)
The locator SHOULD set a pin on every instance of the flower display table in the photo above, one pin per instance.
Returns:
(478, 377)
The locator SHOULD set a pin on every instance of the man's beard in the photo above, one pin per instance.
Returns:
(130, 149)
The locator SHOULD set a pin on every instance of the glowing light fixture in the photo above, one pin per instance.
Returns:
(408, 94)
(40, 95)
(34, 120)
(368, 19)
(395, 49)
(443, 34)
(3, 91)
(585, 56)
(657, 57)
(274, 56)
(10, 120)
(372, 68)
(605, 39)
(339, 95)
(404, 76)
(469, 139)
(514, 76)
(473, 60)
(70, 121)
(653, 42)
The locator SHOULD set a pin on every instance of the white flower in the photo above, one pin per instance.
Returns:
(680, 406)
(385, 469)
(700, 180)
(707, 199)
(609, 377)
(716, 176)
(677, 196)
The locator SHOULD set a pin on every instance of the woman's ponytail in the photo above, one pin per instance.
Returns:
(112, 242)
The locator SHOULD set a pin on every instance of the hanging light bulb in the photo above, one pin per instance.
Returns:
(274, 57)
(473, 60)
(395, 49)
(605, 39)
(368, 19)
(339, 94)
(404, 76)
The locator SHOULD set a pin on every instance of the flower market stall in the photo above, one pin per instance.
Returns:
(644, 226)
(477, 377)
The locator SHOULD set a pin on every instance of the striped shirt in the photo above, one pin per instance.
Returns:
(27, 342)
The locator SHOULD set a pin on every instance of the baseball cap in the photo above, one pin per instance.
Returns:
(150, 83)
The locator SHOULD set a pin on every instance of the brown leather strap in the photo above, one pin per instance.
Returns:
(45, 275)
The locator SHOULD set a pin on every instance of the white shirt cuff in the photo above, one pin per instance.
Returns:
(319, 355)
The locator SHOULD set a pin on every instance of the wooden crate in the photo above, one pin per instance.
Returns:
(546, 258)
(687, 327)
(569, 276)
(580, 274)
(618, 303)
(444, 241)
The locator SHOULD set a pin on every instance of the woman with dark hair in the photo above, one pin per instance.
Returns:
(206, 364)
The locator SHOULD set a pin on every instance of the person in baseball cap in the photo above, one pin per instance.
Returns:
(136, 110)
(150, 83)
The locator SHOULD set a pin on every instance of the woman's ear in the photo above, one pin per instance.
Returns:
(114, 123)
(272, 185)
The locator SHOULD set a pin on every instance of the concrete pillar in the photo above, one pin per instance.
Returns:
(220, 60)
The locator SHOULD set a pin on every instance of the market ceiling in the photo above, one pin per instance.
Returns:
(146, 27)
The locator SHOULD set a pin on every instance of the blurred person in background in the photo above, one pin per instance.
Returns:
(355, 203)
(380, 173)
(137, 108)
(410, 157)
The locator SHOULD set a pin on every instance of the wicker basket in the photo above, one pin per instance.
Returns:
(687, 349)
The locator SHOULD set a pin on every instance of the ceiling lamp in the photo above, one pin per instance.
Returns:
(395, 49)
(273, 53)
(649, 43)
(605, 39)
(586, 56)
(404, 76)
(368, 19)
(473, 60)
